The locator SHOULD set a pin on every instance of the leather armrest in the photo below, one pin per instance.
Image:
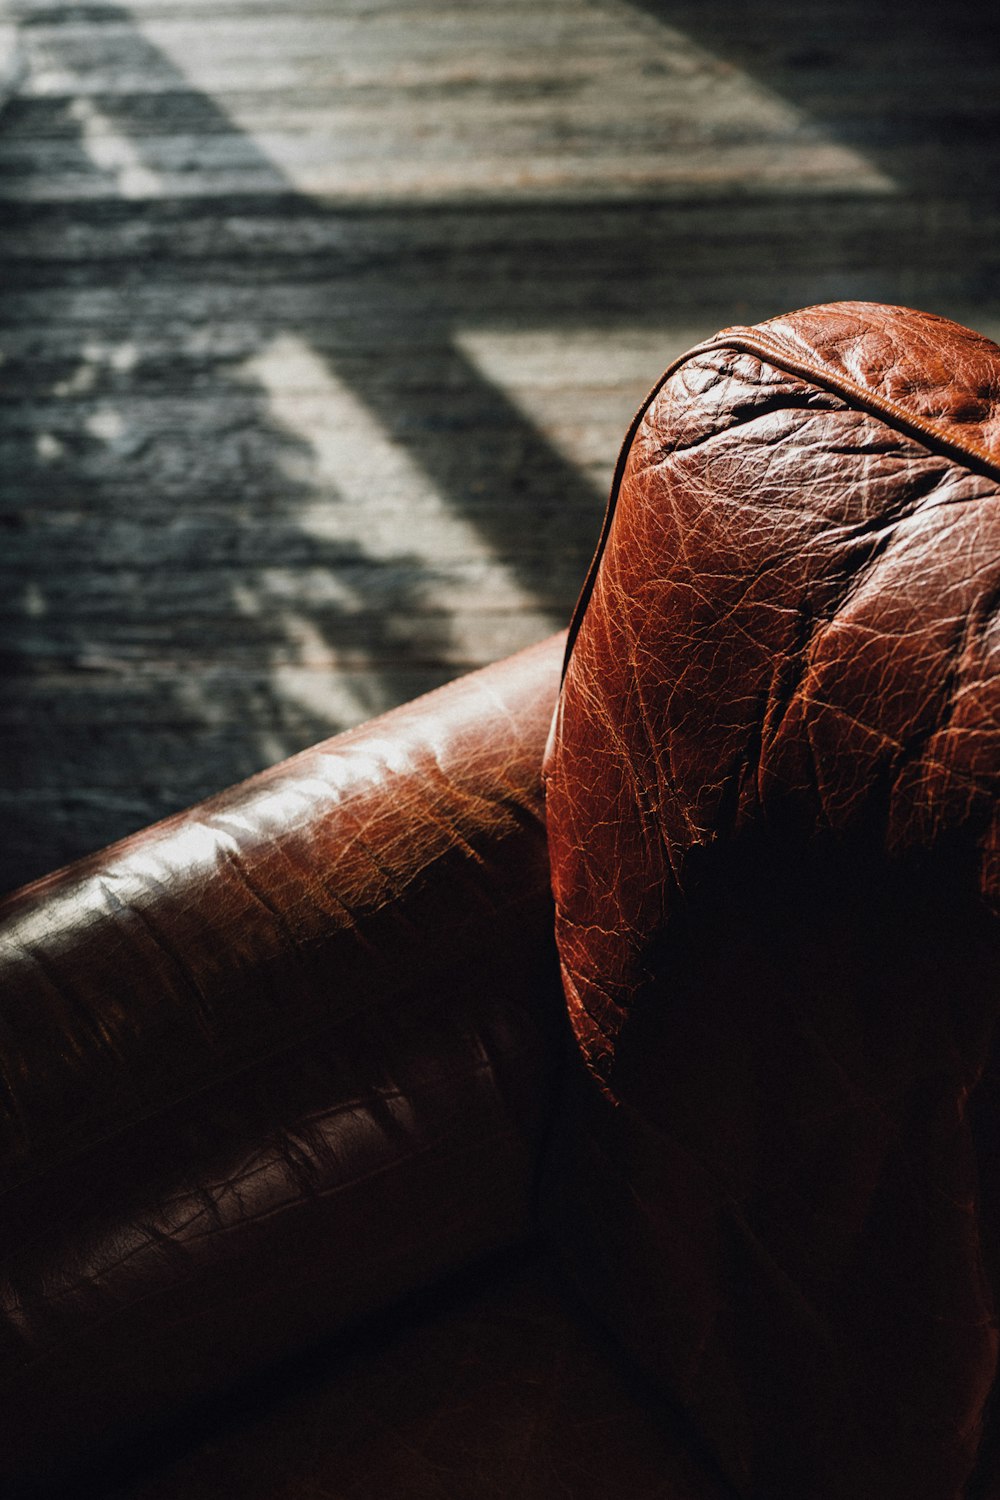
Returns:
(273, 1062)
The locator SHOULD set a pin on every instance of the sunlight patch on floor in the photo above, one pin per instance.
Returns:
(567, 99)
(370, 492)
(580, 387)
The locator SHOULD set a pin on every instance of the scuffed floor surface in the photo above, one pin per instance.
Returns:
(321, 323)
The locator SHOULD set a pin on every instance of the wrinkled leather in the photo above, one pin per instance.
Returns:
(272, 1063)
(773, 825)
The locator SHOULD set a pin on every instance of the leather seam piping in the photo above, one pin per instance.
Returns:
(780, 356)
(787, 359)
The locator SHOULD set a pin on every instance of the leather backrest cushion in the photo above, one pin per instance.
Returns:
(773, 829)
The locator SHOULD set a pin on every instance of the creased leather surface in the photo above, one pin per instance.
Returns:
(272, 1063)
(772, 804)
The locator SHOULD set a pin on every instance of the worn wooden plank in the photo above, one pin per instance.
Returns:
(436, 103)
(320, 325)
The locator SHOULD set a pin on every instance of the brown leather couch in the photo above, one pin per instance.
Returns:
(309, 1189)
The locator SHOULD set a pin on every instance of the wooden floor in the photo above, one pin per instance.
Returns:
(321, 321)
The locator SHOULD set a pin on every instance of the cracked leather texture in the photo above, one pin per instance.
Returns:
(773, 826)
(272, 1064)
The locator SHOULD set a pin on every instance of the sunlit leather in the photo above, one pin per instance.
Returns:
(272, 1063)
(772, 803)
